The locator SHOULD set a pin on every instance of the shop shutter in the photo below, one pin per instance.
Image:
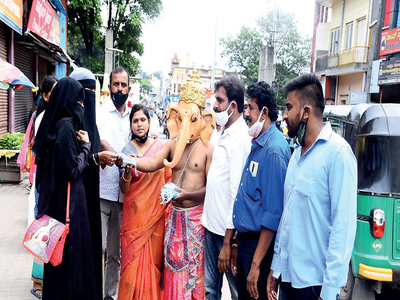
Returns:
(3, 93)
(43, 70)
(23, 59)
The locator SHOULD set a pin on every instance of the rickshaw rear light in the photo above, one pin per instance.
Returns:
(377, 222)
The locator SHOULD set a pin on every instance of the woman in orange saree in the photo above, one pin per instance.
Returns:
(143, 221)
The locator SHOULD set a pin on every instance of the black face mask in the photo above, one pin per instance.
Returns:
(78, 114)
(301, 132)
(119, 99)
(142, 139)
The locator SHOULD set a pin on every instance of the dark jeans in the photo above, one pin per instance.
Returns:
(246, 247)
(213, 278)
(287, 292)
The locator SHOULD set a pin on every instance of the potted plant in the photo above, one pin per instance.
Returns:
(10, 145)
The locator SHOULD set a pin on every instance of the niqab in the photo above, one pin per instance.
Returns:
(87, 80)
(63, 117)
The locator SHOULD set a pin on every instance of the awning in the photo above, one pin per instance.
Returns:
(56, 51)
(58, 5)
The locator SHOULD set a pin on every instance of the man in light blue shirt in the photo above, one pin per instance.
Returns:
(316, 234)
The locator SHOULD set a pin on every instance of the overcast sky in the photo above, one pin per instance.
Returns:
(188, 26)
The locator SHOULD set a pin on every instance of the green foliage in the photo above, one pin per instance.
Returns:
(12, 141)
(293, 51)
(145, 86)
(243, 52)
(86, 40)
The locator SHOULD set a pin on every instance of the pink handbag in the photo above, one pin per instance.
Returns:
(45, 237)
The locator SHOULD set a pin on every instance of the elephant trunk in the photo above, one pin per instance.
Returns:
(183, 136)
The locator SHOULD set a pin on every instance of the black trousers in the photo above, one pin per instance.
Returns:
(287, 292)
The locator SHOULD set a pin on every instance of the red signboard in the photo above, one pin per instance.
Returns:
(390, 41)
(41, 18)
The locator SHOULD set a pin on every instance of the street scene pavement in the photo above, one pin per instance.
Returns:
(16, 262)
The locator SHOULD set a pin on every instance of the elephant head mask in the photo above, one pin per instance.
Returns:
(186, 121)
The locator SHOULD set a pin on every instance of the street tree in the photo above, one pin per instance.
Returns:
(293, 51)
(243, 53)
(125, 19)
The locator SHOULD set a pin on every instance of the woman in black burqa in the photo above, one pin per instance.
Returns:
(62, 151)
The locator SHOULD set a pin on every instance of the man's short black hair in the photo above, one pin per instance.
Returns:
(118, 70)
(308, 89)
(265, 96)
(234, 90)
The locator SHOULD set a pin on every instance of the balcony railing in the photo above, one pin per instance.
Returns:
(358, 54)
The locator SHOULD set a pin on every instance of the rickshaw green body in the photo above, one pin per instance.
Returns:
(373, 132)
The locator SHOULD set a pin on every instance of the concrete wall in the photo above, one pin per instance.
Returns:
(323, 36)
(350, 83)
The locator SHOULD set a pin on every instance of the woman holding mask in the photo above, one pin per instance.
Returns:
(143, 221)
(62, 151)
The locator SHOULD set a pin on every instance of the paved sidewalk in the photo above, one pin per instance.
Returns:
(16, 262)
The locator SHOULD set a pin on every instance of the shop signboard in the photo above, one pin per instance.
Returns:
(390, 41)
(41, 18)
(389, 72)
(11, 14)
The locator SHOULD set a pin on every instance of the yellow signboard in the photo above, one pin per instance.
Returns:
(11, 14)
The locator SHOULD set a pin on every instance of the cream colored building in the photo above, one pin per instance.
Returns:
(342, 40)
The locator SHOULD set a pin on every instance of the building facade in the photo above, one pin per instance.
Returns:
(33, 38)
(342, 46)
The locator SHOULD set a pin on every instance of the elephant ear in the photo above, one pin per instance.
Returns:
(173, 121)
(208, 125)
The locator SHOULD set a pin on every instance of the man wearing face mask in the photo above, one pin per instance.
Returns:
(316, 234)
(114, 129)
(259, 200)
(154, 123)
(232, 145)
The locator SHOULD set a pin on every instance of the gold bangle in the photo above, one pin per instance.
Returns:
(123, 177)
(234, 246)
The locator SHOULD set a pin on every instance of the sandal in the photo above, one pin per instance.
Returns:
(34, 292)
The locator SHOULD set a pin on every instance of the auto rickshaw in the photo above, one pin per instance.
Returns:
(373, 132)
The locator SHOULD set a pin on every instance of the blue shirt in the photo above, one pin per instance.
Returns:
(259, 200)
(316, 234)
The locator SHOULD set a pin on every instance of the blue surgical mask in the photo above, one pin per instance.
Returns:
(151, 112)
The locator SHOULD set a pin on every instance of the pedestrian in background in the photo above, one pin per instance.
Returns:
(259, 201)
(114, 129)
(232, 145)
(62, 150)
(316, 234)
(154, 124)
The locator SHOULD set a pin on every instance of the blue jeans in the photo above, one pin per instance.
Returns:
(213, 278)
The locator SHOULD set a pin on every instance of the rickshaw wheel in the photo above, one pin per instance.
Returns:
(347, 291)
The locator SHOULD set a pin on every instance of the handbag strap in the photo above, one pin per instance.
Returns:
(68, 198)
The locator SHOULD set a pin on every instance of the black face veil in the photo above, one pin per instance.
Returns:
(63, 116)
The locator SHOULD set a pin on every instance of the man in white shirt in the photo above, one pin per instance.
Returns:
(232, 146)
(154, 129)
(114, 129)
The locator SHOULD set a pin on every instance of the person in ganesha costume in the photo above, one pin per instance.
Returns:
(190, 155)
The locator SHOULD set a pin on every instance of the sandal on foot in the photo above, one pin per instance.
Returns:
(34, 293)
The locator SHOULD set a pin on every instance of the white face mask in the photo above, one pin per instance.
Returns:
(223, 117)
(255, 129)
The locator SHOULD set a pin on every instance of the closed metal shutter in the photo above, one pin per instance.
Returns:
(3, 93)
(43, 70)
(23, 97)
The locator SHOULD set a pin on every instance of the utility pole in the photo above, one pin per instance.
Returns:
(215, 51)
(109, 55)
(266, 71)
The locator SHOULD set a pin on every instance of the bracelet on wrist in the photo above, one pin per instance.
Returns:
(234, 246)
(123, 177)
(94, 159)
